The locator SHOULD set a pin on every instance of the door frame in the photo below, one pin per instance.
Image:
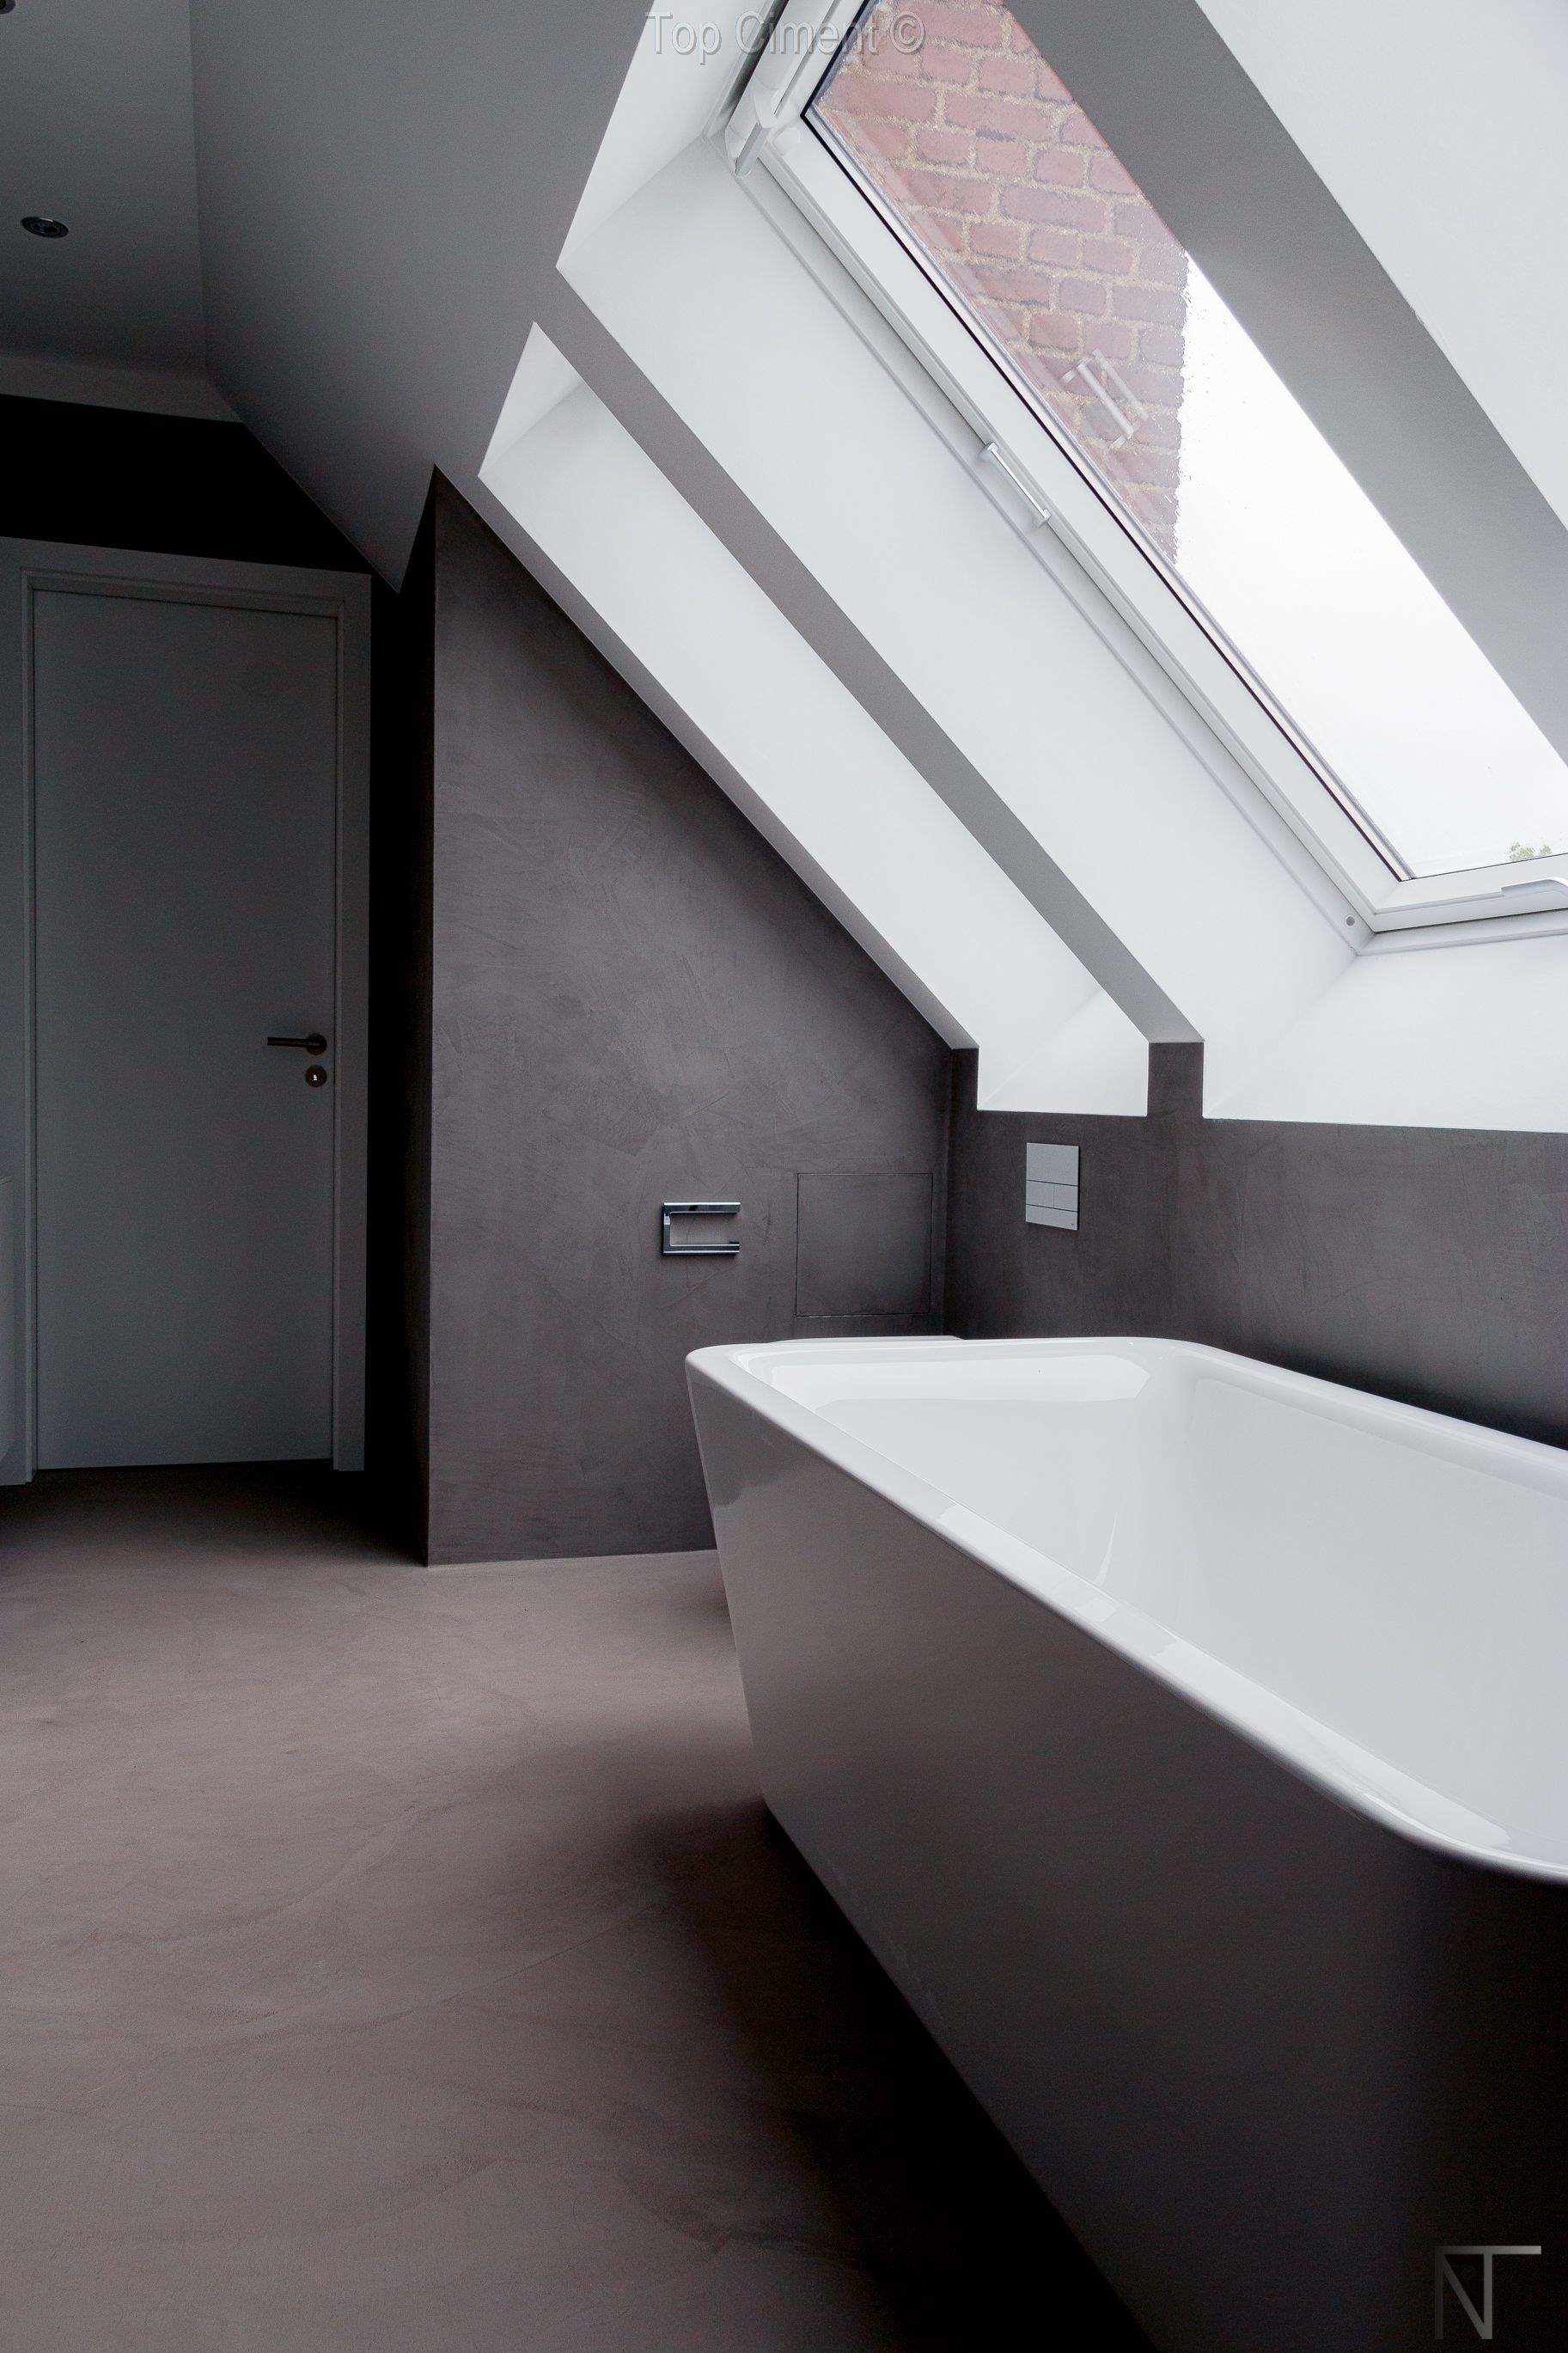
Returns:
(27, 567)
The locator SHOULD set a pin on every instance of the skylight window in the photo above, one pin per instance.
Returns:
(975, 155)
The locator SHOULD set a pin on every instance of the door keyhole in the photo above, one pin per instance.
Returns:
(315, 1076)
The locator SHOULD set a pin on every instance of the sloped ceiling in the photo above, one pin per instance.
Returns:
(383, 184)
(1440, 129)
(96, 129)
(383, 191)
(384, 187)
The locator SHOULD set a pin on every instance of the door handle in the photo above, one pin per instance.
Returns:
(314, 1043)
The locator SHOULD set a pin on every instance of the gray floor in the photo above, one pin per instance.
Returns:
(397, 1960)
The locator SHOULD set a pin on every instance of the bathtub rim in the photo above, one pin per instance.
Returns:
(1035, 1575)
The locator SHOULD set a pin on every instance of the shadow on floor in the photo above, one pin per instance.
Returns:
(965, 2252)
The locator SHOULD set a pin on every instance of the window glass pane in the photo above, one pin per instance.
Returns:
(975, 150)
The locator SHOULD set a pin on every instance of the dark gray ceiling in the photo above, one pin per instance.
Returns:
(95, 129)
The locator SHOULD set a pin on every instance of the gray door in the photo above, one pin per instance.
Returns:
(185, 758)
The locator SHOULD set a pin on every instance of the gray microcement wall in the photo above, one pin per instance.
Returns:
(631, 998)
(1428, 1264)
(613, 992)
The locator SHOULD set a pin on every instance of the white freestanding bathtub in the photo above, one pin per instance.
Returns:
(1190, 1741)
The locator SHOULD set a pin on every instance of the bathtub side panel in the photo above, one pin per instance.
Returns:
(1187, 1986)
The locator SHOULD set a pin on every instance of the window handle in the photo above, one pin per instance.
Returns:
(314, 1043)
(1032, 498)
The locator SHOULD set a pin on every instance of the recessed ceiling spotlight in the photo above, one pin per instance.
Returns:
(6, 7)
(41, 224)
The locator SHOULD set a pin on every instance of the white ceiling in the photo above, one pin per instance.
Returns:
(1439, 127)
(384, 187)
(382, 184)
(385, 184)
(96, 128)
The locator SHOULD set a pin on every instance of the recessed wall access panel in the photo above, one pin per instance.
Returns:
(1051, 1185)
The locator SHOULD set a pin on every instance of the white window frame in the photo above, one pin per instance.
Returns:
(1051, 499)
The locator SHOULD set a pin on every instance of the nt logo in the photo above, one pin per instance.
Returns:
(1446, 2284)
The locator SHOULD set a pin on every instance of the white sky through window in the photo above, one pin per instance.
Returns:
(1283, 545)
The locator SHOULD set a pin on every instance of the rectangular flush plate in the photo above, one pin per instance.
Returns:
(702, 1222)
(1050, 1185)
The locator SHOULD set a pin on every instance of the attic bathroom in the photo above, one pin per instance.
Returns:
(784, 1177)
